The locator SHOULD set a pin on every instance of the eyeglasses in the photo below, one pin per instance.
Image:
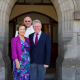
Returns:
(27, 21)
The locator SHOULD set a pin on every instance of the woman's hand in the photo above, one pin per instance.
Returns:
(17, 64)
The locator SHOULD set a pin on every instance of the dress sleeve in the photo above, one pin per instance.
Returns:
(48, 50)
(14, 49)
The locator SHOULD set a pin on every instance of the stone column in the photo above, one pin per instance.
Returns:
(5, 62)
(76, 31)
(68, 50)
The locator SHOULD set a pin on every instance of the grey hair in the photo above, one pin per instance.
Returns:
(35, 21)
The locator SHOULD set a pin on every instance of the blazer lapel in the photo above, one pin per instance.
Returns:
(27, 40)
(32, 39)
(19, 41)
(19, 44)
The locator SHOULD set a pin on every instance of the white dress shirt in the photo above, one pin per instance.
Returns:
(28, 32)
(39, 34)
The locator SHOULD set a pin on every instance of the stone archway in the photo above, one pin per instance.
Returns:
(66, 69)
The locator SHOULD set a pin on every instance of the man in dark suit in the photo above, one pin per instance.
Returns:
(40, 52)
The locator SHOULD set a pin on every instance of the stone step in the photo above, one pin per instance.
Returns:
(50, 75)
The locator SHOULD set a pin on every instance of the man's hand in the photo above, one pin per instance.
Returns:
(46, 66)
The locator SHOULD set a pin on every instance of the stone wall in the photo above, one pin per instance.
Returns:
(68, 62)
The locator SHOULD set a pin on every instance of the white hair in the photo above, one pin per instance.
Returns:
(37, 21)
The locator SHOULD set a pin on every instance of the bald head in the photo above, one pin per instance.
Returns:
(27, 18)
(27, 21)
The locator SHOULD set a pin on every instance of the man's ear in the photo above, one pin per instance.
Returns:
(31, 21)
(41, 27)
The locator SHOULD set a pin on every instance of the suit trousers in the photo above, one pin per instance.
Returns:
(37, 72)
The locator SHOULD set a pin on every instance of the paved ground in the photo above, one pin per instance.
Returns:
(50, 74)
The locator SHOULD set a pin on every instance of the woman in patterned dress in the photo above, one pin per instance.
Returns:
(20, 46)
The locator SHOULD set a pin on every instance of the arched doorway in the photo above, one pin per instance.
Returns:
(65, 10)
(49, 26)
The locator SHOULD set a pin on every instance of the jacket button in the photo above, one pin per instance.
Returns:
(35, 48)
(34, 54)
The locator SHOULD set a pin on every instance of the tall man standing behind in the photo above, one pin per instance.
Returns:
(40, 52)
(27, 21)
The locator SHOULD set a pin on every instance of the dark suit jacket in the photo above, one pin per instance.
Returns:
(40, 54)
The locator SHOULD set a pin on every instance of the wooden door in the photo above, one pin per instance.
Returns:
(54, 41)
(49, 29)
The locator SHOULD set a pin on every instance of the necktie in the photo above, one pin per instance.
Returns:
(36, 39)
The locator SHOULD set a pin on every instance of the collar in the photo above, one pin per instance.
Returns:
(30, 27)
(38, 33)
